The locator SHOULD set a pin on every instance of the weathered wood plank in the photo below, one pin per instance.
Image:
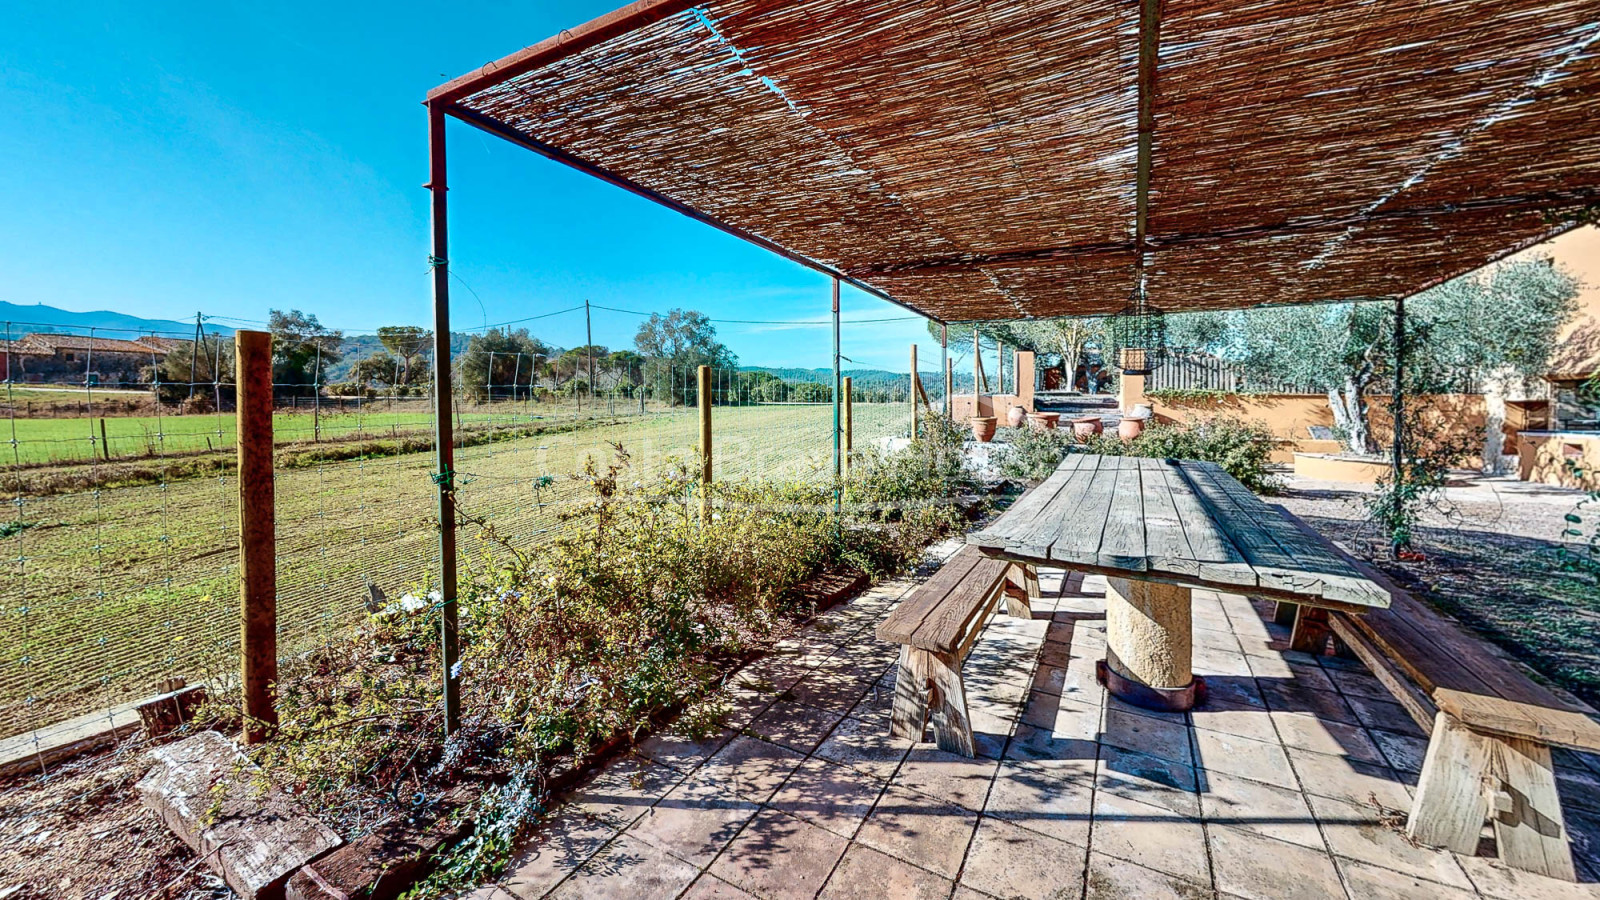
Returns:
(1273, 564)
(904, 620)
(1166, 546)
(943, 630)
(1016, 529)
(1081, 518)
(1451, 805)
(1216, 558)
(1122, 543)
(1562, 728)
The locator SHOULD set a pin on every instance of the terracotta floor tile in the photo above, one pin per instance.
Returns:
(865, 747)
(866, 874)
(1261, 808)
(627, 869)
(1255, 867)
(1156, 737)
(1256, 760)
(828, 795)
(1354, 830)
(779, 857)
(1113, 879)
(1367, 881)
(1151, 836)
(1008, 861)
(698, 818)
(920, 830)
(1148, 779)
(1054, 799)
(753, 768)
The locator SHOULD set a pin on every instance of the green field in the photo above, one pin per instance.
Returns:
(104, 593)
(68, 440)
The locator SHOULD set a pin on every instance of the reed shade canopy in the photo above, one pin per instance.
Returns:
(1009, 159)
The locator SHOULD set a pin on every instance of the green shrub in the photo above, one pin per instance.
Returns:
(635, 607)
(1032, 455)
(1242, 449)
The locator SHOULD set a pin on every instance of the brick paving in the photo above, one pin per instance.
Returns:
(1284, 785)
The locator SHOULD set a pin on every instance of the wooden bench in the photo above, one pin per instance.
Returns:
(935, 627)
(1491, 727)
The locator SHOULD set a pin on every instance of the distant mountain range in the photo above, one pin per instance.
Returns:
(41, 318)
(863, 378)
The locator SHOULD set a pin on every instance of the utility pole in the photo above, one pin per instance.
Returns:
(194, 351)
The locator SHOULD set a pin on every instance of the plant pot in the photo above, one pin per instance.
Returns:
(983, 428)
(1129, 429)
(1016, 416)
(1044, 421)
(1085, 427)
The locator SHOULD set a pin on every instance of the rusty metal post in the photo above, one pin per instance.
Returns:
(848, 427)
(703, 389)
(944, 364)
(258, 576)
(914, 379)
(838, 384)
(949, 389)
(443, 433)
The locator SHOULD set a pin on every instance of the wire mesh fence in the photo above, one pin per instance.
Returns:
(120, 552)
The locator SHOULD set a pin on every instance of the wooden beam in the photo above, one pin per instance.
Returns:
(258, 573)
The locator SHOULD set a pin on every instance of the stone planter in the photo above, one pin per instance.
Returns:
(983, 428)
(1129, 429)
(1340, 467)
(1085, 427)
(1015, 416)
(1043, 421)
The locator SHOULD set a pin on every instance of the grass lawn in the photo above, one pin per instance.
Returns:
(66, 440)
(104, 593)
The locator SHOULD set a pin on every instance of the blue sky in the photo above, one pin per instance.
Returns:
(165, 158)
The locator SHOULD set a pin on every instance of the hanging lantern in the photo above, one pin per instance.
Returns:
(1139, 332)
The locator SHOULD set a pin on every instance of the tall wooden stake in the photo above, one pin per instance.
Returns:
(258, 576)
(703, 390)
(443, 432)
(849, 426)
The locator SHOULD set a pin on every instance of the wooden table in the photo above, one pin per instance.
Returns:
(1157, 529)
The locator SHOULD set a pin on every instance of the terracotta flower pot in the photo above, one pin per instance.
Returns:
(983, 428)
(1043, 421)
(1015, 416)
(1128, 429)
(1085, 427)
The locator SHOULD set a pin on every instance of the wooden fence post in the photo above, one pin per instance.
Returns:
(704, 391)
(258, 578)
(848, 426)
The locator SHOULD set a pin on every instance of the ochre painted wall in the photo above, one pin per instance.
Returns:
(1290, 417)
(1544, 459)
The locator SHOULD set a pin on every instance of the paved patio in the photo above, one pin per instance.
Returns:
(1291, 782)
